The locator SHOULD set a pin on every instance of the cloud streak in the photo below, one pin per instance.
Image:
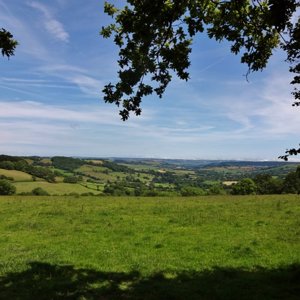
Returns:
(52, 25)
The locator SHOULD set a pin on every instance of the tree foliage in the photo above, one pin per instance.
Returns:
(20, 164)
(267, 184)
(291, 182)
(245, 186)
(7, 43)
(39, 192)
(6, 188)
(290, 152)
(155, 40)
(66, 163)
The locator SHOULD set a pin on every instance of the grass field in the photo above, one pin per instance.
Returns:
(17, 175)
(243, 247)
(59, 188)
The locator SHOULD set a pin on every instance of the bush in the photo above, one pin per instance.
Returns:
(39, 192)
(6, 188)
(72, 179)
(191, 191)
(245, 186)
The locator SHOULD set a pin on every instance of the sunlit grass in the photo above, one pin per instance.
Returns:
(150, 236)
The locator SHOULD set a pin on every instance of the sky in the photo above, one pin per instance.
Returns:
(51, 100)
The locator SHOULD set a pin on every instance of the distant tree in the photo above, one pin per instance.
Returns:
(266, 184)
(191, 191)
(216, 189)
(7, 43)
(8, 165)
(6, 188)
(67, 163)
(72, 179)
(245, 186)
(291, 182)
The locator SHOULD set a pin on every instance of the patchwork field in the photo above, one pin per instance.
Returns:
(243, 247)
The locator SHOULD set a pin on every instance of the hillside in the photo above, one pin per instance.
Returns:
(137, 177)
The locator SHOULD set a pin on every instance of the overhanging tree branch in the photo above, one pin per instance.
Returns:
(7, 43)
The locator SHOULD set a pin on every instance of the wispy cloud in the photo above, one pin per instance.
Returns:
(52, 25)
(77, 76)
(38, 111)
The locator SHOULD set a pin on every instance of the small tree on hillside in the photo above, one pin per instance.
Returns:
(6, 188)
(244, 187)
(39, 192)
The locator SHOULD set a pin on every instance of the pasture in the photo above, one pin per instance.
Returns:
(225, 247)
(17, 175)
(59, 188)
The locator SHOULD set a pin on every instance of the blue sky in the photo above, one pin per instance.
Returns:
(51, 100)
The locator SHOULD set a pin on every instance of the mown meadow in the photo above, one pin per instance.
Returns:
(213, 247)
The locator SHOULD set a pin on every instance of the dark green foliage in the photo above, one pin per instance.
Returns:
(116, 167)
(6, 188)
(191, 191)
(10, 158)
(291, 183)
(41, 172)
(116, 189)
(155, 40)
(39, 192)
(20, 164)
(7, 43)
(244, 187)
(67, 163)
(266, 184)
(216, 189)
(72, 179)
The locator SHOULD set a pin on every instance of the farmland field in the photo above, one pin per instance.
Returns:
(59, 188)
(225, 247)
(17, 175)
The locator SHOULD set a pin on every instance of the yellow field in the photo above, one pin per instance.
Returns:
(17, 175)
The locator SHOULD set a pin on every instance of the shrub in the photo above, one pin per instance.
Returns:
(6, 188)
(39, 192)
(72, 179)
(245, 186)
(191, 191)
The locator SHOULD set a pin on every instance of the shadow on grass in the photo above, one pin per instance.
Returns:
(46, 281)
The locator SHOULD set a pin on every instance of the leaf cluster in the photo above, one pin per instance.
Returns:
(7, 43)
(155, 40)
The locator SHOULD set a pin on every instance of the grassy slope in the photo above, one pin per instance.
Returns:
(59, 188)
(147, 248)
(17, 175)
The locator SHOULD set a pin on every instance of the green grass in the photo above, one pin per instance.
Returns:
(243, 247)
(59, 188)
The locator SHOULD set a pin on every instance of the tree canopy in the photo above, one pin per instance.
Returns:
(155, 40)
(7, 43)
